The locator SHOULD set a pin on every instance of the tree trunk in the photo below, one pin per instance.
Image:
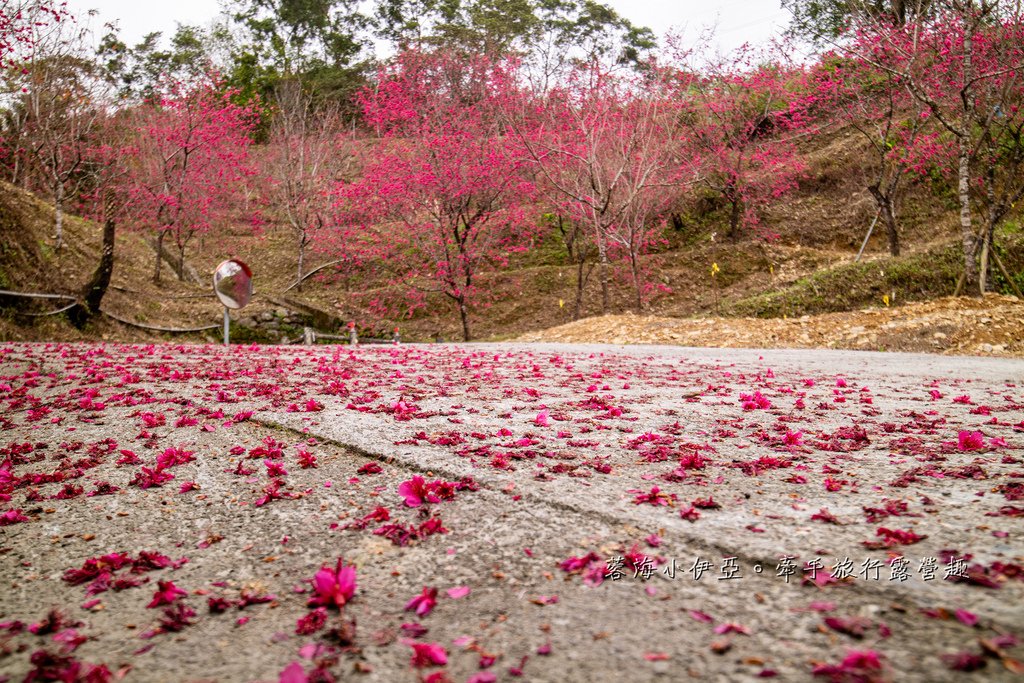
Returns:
(302, 258)
(580, 284)
(58, 215)
(968, 239)
(159, 255)
(884, 202)
(735, 216)
(891, 230)
(635, 267)
(983, 271)
(994, 209)
(464, 315)
(568, 238)
(602, 274)
(92, 295)
(967, 236)
(181, 262)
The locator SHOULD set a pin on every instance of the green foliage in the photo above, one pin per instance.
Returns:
(141, 72)
(942, 188)
(817, 21)
(1010, 248)
(686, 228)
(857, 285)
(821, 22)
(327, 44)
(498, 27)
(296, 35)
(320, 42)
(549, 248)
(1013, 228)
(474, 25)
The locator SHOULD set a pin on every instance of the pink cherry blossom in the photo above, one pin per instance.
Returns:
(334, 587)
(428, 654)
(423, 603)
(166, 594)
(970, 441)
(416, 491)
(458, 592)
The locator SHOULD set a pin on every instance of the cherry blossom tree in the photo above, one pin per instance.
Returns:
(965, 67)
(21, 22)
(607, 147)
(57, 108)
(872, 103)
(103, 198)
(192, 156)
(306, 154)
(742, 124)
(441, 198)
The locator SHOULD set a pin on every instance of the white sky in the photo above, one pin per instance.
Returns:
(736, 21)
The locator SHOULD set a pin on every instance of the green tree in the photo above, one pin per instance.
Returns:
(585, 28)
(321, 42)
(821, 22)
(142, 71)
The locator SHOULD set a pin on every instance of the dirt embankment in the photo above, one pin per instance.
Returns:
(993, 325)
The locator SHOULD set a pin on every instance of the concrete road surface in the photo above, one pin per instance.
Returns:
(564, 513)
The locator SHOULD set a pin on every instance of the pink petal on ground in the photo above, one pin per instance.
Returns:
(701, 616)
(428, 654)
(966, 618)
(293, 673)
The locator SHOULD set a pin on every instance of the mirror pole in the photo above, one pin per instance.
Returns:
(227, 321)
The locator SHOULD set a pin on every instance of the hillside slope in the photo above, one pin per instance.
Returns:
(808, 269)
